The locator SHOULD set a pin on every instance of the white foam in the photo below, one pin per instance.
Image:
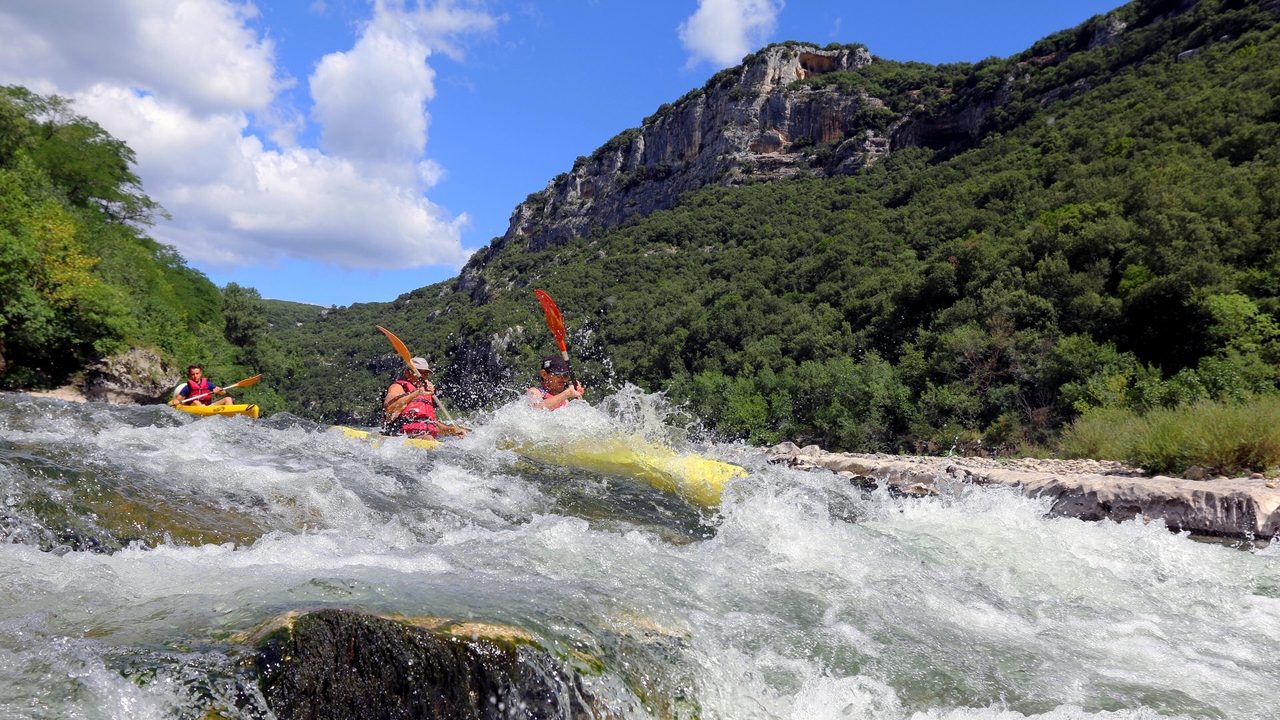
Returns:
(808, 600)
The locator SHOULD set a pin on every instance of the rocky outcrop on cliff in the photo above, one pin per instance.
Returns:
(1084, 489)
(747, 122)
(134, 377)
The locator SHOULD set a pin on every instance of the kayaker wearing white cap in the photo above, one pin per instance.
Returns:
(556, 390)
(410, 410)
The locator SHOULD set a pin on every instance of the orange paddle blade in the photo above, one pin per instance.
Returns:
(246, 382)
(554, 320)
(401, 349)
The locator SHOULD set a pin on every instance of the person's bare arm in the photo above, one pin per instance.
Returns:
(393, 392)
(535, 398)
(396, 400)
(551, 402)
(443, 430)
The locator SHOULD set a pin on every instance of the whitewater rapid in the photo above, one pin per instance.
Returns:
(140, 547)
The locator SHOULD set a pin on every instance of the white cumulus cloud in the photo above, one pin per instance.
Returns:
(370, 100)
(723, 31)
(197, 52)
(237, 202)
(183, 81)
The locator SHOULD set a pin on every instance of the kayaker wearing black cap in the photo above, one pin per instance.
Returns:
(556, 390)
(410, 410)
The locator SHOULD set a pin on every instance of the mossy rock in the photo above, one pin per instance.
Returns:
(348, 665)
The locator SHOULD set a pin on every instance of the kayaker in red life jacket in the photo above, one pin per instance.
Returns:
(197, 384)
(556, 391)
(417, 412)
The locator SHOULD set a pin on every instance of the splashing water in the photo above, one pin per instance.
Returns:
(141, 546)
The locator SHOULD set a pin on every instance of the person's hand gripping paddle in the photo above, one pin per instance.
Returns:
(403, 351)
(555, 321)
(243, 383)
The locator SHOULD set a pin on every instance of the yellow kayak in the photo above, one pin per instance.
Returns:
(377, 439)
(695, 478)
(248, 410)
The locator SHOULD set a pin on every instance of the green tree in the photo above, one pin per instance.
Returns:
(78, 278)
(242, 311)
(87, 164)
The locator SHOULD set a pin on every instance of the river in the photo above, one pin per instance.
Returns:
(138, 547)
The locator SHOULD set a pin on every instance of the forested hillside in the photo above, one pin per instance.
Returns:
(1107, 236)
(79, 278)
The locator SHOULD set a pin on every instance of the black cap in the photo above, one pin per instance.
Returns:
(555, 365)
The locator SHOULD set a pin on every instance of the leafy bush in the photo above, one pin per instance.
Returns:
(1224, 438)
(724, 78)
(618, 142)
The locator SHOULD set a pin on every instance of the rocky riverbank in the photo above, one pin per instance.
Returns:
(1245, 507)
(134, 377)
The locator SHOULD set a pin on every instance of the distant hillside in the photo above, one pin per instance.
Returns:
(289, 313)
(823, 244)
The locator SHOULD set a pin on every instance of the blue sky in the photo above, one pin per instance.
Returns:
(309, 148)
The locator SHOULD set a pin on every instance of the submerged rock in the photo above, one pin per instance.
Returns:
(350, 666)
(63, 503)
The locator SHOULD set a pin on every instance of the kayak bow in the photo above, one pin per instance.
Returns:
(699, 480)
(377, 439)
(202, 410)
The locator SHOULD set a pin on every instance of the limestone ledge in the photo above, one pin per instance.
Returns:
(1084, 489)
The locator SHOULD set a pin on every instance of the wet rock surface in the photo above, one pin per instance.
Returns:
(136, 377)
(351, 666)
(1246, 507)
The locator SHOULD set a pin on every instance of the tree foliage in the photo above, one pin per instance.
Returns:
(78, 277)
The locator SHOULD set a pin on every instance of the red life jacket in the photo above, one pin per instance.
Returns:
(418, 417)
(200, 389)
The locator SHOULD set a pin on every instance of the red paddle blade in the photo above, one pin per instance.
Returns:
(554, 320)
